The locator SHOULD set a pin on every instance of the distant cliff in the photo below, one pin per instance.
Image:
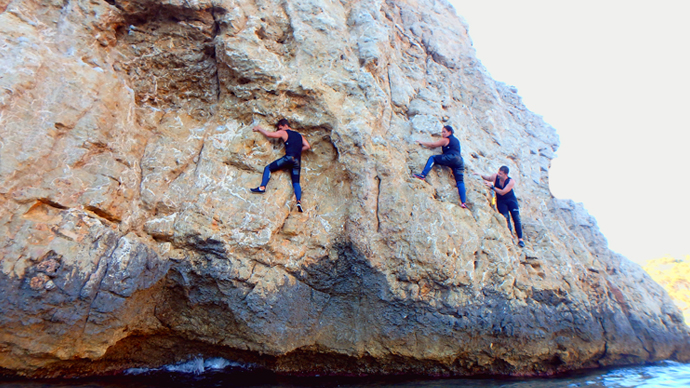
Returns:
(128, 235)
(674, 276)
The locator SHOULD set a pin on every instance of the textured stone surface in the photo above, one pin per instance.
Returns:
(129, 236)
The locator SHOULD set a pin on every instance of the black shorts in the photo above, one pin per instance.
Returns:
(287, 162)
(455, 162)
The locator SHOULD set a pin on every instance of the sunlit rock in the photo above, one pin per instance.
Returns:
(130, 238)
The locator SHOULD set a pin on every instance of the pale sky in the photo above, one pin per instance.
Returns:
(613, 79)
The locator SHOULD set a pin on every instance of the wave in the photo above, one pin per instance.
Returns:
(196, 366)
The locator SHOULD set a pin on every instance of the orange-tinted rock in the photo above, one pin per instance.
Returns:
(128, 235)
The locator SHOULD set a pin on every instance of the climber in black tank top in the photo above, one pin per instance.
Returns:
(506, 201)
(451, 158)
(295, 144)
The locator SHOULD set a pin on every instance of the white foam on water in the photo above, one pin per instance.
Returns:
(194, 366)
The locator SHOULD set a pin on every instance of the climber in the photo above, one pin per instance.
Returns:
(295, 144)
(450, 157)
(506, 202)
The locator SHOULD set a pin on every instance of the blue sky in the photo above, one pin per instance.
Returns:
(613, 78)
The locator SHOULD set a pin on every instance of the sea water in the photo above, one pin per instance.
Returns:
(218, 372)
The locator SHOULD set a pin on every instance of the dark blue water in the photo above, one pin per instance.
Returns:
(222, 373)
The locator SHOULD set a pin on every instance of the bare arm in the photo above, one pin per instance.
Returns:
(489, 178)
(506, 189)
(305, 144)
(272, 135)
(433, 144)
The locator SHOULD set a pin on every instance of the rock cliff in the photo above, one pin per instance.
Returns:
(129, 237)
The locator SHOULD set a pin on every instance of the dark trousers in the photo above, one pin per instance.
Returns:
(454, 161)
(510, 209)
(284, 163)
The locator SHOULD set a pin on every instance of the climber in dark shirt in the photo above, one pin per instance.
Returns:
(295, 144)
(506, 202)
(450, 157)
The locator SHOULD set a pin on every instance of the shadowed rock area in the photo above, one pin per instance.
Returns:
(129, 237)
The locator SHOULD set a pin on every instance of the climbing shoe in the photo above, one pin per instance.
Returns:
(419, 176)
(258, 190)
(462, 205)
(521, 244)
(299, 207)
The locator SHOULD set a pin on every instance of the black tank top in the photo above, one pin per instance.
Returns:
(293, 144)
(507, 196)
(453, 146)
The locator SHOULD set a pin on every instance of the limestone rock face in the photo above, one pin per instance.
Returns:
(128, 235)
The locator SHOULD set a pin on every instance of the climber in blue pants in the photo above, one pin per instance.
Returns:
(295, 144)
(451, 158)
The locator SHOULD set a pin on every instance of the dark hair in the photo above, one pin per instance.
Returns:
(282, 122)
(504, 169)
(449, 129)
